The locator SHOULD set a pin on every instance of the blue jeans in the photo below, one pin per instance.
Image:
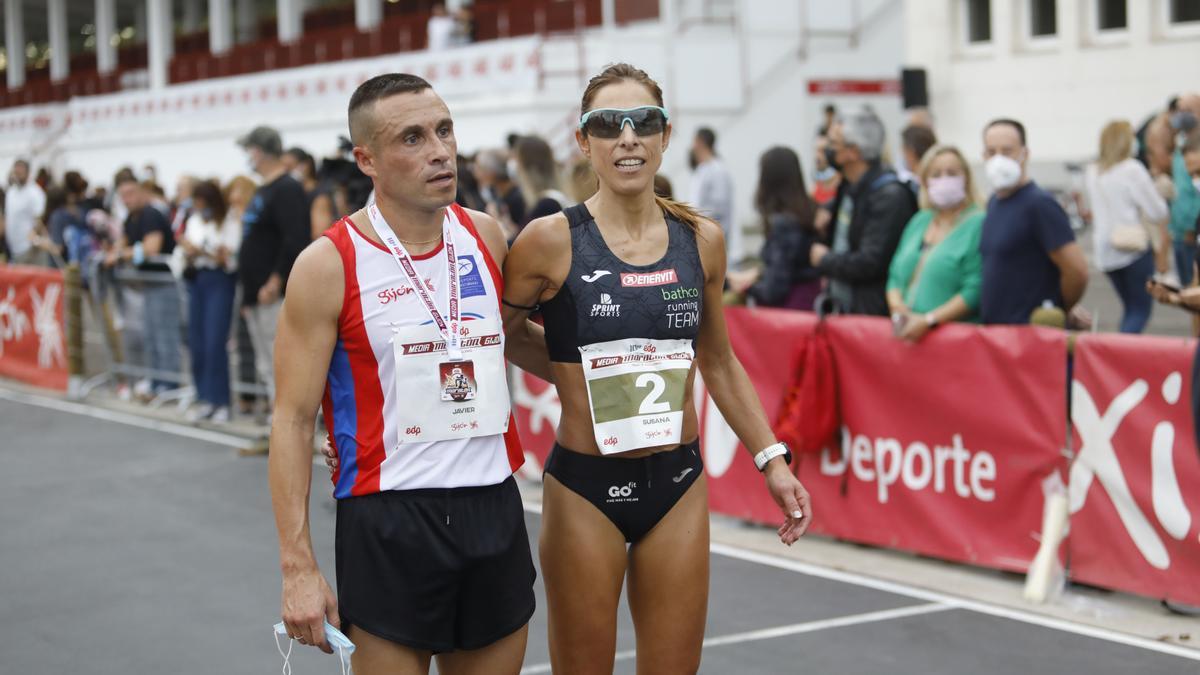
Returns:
(1130, 282)
(163, 321)
(1185, 258)
(210, 315)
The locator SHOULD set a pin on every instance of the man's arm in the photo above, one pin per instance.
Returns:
(292, 217)
(304, 344)
(1072, 267)
(888, 211)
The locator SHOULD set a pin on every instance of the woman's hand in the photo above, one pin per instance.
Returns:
(741, 280)
(792, 499)
(331, 458)
(189, 249)
(915, 327)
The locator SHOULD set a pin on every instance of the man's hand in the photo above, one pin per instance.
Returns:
(269, 292)
(1079, 318)
(822, 220)
(817, 253)
(792, 499)
(307, 603)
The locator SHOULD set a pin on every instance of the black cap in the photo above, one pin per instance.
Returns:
(265, 139)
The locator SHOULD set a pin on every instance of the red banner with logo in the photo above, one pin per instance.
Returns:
(1135, 480)
(32, 348)
(946, 443)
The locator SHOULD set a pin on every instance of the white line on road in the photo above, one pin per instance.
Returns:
(944, 599)
(958, 602)
(784, 631)
(229, 440)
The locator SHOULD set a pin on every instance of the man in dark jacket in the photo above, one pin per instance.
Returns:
(275, 229)
(869, 214)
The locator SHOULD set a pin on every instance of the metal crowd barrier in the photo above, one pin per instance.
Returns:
(113, 335)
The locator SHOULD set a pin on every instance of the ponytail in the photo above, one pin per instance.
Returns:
(680, 211)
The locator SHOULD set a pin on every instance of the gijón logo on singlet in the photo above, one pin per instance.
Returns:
(606, 308)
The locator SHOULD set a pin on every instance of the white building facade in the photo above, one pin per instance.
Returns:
(1064, 68)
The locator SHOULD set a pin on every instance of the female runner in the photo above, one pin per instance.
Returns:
(630, 288)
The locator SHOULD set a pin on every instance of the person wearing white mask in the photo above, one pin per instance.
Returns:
(1030, 255)
(936, 274)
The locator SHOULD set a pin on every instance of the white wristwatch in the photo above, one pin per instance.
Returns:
(771, 452)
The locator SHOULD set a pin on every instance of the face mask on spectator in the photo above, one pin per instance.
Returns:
(298, 175)
(511, 168)
(825, 174)
(947, 191)
(1003, 172)
(1196, 183)
(1183, 121)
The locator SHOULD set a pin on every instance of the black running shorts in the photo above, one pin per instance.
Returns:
(435, 569)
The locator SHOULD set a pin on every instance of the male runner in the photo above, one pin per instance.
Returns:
(391, 321)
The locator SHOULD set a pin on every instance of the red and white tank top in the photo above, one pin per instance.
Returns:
(361, 400)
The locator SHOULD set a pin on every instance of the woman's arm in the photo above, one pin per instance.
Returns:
(536, 258)
(1154, 209)
(786, 252)
(733, 392)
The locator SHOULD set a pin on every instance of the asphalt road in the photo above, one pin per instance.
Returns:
(127, 550)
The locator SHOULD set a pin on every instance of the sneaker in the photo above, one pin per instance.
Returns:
(202, 411)
(220, 415)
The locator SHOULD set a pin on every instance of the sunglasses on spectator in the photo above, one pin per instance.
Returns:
(646, 120)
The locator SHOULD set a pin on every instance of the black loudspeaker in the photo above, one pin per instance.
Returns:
(912, 88)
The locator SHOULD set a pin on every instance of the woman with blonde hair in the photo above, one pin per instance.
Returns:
(1125, 205)
(937, 271)
(538, 178)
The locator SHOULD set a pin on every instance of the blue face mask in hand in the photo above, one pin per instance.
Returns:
(333, 636)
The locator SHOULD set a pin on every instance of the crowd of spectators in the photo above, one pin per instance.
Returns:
(207, 267)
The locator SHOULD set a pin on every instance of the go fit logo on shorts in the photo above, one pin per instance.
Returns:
(621, 493)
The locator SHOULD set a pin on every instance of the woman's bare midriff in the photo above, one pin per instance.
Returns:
(575, 430)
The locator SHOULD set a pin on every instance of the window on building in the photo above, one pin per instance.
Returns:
(979, 20)
(1185, 11)
(1110, 15)
(1042, 18)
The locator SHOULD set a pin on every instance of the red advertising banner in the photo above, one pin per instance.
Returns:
(946, 447)
(32, 348)
(1135, 482)
(764, 341)
(946, 443)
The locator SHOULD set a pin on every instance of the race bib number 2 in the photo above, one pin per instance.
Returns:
(636, 389)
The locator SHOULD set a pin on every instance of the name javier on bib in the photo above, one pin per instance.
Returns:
(450, 373)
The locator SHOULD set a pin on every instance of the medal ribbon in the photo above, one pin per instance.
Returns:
(449, 325)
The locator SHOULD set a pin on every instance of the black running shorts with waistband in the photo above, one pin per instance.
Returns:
(435, 569)
(634, 493)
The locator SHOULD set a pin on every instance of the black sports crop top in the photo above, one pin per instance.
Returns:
(604, 298)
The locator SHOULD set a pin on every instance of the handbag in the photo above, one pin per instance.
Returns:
(1127, 238)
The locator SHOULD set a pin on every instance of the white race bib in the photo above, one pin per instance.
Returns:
(636, 389)
(441, 399)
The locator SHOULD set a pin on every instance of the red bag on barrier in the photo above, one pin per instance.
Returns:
(808, 418)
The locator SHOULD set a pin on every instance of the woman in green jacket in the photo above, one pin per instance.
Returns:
(935, 274)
